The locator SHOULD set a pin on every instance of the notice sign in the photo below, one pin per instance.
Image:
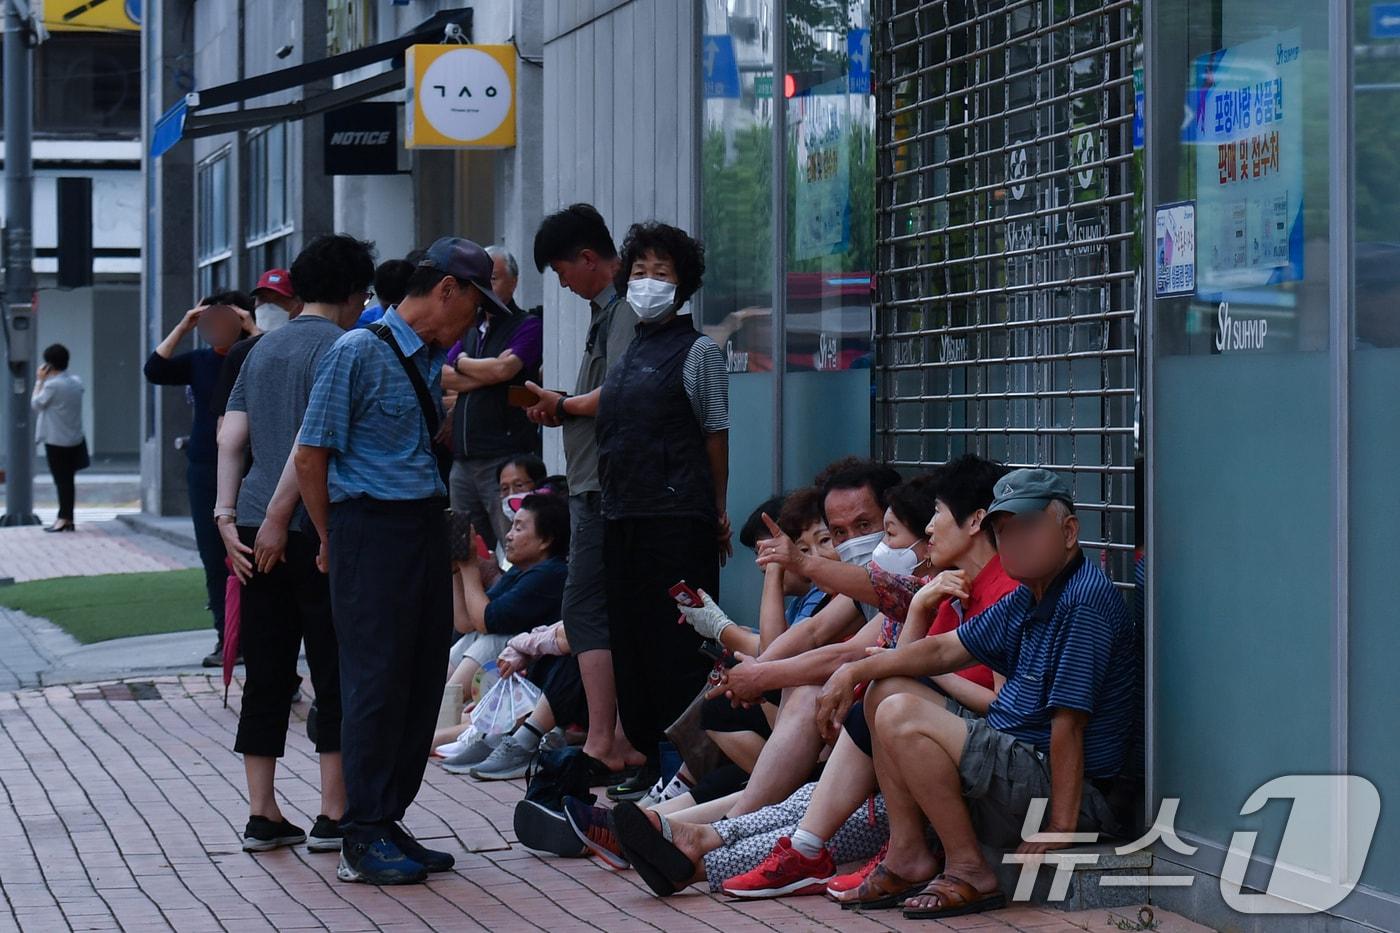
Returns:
(822, 225)
(1176, 249)
(1247, 132)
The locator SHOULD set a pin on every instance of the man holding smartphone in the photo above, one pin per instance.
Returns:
(502, 352)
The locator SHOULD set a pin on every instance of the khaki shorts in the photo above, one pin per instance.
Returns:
(1002, 775)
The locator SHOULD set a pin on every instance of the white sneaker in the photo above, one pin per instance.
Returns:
(452, 748)
(659, 794)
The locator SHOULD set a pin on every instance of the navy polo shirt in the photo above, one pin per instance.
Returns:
(1072, 650)
(523, 599)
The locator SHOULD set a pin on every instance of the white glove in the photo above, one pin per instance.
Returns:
(708, 619)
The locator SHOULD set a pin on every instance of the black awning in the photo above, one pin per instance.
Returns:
(198, 122)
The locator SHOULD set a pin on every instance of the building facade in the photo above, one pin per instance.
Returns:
(1147, 243)
(87, 125)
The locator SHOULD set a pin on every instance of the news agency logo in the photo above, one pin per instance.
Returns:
(1331, 823)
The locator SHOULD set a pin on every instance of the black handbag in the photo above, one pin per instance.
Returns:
(82, 459)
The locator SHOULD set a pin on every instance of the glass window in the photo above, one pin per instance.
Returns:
(267, 185)
(1374, 371)
(349, 25)
(213, 242)
(88, 84)
(830, 142)
(1243, 455)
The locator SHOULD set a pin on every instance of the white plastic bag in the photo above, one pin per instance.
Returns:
(510, 700)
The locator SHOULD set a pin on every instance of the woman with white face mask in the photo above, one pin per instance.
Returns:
(663, 453)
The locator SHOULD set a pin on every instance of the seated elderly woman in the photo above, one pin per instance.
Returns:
(528, 595)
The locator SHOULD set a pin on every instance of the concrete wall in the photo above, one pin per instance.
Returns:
(620, 104)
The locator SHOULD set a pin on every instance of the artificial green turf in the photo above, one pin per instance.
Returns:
(115, 605)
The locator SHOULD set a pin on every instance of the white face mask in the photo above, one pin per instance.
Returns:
(900, 561)
(859, 550)
(510, 512)
(269, 316)
(651, 298)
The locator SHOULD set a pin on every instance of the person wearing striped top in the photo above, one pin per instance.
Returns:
(1059, 728)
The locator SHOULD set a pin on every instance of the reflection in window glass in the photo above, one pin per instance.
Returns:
(736, 180)
(831, 186)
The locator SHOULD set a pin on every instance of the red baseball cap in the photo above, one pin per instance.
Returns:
(276, 280)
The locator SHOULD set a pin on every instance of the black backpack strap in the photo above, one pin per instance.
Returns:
(420, 387)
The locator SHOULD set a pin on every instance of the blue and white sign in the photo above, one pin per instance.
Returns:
(858, 61)
(168, 129)
(1385, 21)
(721, 67)
(1176, 249)
(1246, 129)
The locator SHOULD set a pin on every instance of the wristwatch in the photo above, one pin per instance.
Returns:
(559, 413)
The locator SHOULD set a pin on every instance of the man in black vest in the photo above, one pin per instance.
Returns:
(503, 350)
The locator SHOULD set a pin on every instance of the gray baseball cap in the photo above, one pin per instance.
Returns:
(1029, 490)
(465, 260)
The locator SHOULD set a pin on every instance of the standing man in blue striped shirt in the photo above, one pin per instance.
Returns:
(370, 481)
(1059, 728)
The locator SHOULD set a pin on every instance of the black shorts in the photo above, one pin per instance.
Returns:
(719, 715)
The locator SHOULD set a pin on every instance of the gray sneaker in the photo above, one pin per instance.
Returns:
(509, 760)
(471, 756)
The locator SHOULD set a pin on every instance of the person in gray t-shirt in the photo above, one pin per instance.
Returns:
(286, 593)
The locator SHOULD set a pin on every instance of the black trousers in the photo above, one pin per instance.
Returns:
(391, 599)
(561, 682)
(63, 466)
(278, 610)
(657, 663)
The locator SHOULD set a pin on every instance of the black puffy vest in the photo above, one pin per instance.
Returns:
(651, 450)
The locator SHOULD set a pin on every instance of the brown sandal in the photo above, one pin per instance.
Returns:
(956, 898)
(881, 890)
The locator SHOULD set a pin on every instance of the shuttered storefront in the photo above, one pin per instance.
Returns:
(1007, 255)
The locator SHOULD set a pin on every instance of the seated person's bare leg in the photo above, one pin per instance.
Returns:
(463, 675)
(606, 741)
(742, 748)
(694, 840)
(707, 812)
(788, 757)
(919, 745)
(846, 781)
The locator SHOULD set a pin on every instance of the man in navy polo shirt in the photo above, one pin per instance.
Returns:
(1059, 728)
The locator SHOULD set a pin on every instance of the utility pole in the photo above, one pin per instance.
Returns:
(19, 263)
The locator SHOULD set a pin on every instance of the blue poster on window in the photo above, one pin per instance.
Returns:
(1247, 130)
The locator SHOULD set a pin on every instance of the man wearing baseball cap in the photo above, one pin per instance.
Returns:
(368, 474)
(1059, 728)
(276, 302)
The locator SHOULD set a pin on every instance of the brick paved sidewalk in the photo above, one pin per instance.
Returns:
(28, 553)
(122, 808)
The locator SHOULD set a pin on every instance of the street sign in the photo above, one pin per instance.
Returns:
(1385, 21)
(721, 67)
(858, 61)
(168, 129)
(763, 85)
(362, 139)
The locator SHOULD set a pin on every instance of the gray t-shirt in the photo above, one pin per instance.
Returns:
(612, 327)
(272, 388)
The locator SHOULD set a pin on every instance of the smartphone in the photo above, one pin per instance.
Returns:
(520, 397)
(685, 596)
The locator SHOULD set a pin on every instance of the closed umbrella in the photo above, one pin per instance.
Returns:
(233, 617)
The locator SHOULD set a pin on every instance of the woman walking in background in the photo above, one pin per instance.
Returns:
(58, 403)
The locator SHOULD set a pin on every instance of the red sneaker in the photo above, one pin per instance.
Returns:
(785, 871)
(843, 883)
